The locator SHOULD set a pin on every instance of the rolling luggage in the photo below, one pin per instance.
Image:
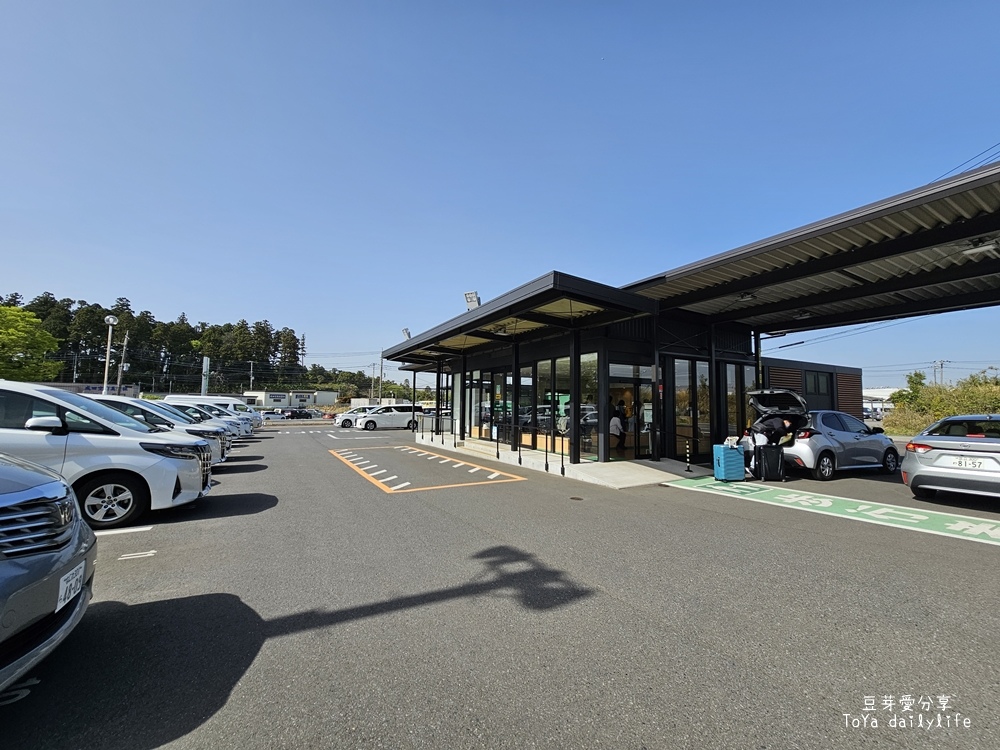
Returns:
(769, 463)
(728, 463)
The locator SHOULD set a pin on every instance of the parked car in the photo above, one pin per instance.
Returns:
(146, 411)
(118, 467)
(231, 423)
(955, 454)
(399, 415)
(295, 413)
(348, 418)
(272, 416)
(47, 556)
(824, 441)
(235, 405)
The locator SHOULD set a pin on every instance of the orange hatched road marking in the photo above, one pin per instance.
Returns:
(410, 449)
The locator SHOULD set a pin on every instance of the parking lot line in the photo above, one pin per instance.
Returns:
(957, 526)
(109, 532)
(354, 460)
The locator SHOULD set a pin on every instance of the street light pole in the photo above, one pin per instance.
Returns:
(112, 321)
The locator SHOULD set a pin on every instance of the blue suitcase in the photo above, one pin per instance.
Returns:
(728, 463)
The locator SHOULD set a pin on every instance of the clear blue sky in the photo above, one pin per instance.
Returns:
(348, 169)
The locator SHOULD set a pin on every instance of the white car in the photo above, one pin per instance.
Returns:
(118, 467)
(272, 416)
(348, 418)
(200, 415)
(399, 415)
(146, 411)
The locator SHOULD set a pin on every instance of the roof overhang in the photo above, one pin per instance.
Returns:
(930, 250)
(553, 302)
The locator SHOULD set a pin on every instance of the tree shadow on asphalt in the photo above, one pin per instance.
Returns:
(132, 677)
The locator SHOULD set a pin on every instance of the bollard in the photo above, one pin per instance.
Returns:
(687, 451)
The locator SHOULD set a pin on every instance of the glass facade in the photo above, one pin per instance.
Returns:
(533, 411)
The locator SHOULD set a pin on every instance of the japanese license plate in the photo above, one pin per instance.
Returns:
(965, 462)
(70, 585)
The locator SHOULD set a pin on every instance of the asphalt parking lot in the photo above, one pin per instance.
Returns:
(304, 603)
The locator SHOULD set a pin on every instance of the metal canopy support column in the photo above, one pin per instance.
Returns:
(715, 400)
(601, 434)
(437, 401)
(515, 397)
(462, 385)
(574, 397)
(657, 401)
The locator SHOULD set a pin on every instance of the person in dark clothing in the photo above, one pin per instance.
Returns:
(773, 429)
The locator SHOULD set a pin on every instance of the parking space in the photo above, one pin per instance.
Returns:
(403, 468)
(847, 500)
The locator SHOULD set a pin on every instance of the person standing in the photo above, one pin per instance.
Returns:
(618, 431)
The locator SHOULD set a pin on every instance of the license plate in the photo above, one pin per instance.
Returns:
(70, 585)
(963, 462)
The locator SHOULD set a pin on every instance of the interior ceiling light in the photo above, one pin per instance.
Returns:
(802, 315)
(983, 248)
(746, 296)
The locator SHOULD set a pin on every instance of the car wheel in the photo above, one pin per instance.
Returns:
(112, 500)
(411, 425)
(825, 467)
(369, 425)
(890, 461)
(346, 423)
(923, 493)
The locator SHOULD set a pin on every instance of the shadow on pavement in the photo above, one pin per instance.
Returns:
(136, 677)
(237, 468)
(236, 459)
(218, 507)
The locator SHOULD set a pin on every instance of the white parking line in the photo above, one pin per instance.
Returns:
(389, 479)
(400, 486)
(359, 458)
(369, 468)
(457, 465)
(122, 531)
(494, 475)
(474, 470)
(376, 473)
(137, 555)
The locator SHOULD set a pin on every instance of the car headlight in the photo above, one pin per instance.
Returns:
(169, 450)
(205, 433)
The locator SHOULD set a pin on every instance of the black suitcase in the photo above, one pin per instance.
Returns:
(769, 463)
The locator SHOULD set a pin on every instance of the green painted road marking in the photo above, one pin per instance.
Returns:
(927, 521)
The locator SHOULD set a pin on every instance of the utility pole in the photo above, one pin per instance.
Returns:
(251, 376)
(121, 365)
(371, 389)
(381, 377)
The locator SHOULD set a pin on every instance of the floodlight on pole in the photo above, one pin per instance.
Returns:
(112, 321)
(471, 300)
(406, 332)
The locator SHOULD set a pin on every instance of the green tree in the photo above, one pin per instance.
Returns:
(23, 346)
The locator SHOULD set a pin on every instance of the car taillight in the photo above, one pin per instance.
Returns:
(805, 434)
(918, 448)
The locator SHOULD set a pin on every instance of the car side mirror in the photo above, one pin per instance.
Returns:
(46, 424)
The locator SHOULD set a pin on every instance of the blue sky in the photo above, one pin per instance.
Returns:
(348, 169)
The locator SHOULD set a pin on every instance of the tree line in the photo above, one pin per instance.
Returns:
(65, 341)
(920, 404)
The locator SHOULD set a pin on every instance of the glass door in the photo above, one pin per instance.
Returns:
(631, 397)
(692, 411)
